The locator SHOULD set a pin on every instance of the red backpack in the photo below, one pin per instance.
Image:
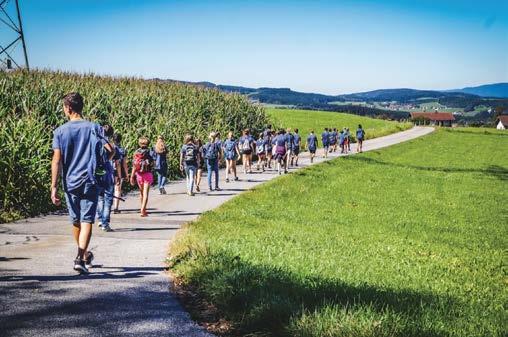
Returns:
(142, 161)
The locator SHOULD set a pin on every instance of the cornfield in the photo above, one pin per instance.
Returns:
(31, 108)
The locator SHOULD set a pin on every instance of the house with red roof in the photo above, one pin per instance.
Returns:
(432, 118)
(502, 122)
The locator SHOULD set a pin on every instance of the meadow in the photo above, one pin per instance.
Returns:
(30, 109)
(307, 120)
(405, 241)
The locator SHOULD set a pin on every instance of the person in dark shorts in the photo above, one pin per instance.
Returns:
(325, 139)
(297, 143)
(77, 148)
(312, 144)
(281, 151)
(360, 136)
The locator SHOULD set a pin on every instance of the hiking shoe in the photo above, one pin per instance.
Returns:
(106, 228)
(79, 266)
(197, 189)
(88, 259)
(236, 179)
(164, 191)
(160, 191)
(116, 211)
(218, 189)
(227, 180)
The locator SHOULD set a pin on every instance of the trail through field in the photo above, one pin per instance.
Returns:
(127, 291)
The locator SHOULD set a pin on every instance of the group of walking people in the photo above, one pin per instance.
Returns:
(93, 165)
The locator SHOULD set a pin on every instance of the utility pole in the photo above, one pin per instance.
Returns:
(7, 22)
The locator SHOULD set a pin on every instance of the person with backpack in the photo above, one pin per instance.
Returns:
(312, 144)
(246, 149)
(200, 164)
(160, 153)
(342, 141)
(297, 142)
(142, 172)
(106, 184)
(281, 148)
(231, 153)
(121, 171)
(261, 153)
(360, 136)
(212, 155)
(189, 158)
(77, 147)
(325, 139)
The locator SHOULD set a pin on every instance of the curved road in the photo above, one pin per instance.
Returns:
(127, 293)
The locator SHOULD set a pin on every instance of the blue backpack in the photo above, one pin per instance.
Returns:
(211, 151)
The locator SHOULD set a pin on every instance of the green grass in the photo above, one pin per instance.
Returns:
(307, 120)
(406, 241)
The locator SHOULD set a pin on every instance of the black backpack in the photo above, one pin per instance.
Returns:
(190, 154)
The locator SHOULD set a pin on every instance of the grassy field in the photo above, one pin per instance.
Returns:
(306, 120)
(406, 241)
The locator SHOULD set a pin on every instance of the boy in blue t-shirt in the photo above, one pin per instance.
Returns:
(360, 136)
(77, 148)
(312, 144)
(297, 140)
(342, 139)
(325, 139)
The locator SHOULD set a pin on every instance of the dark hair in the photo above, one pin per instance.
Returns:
(311, 131)
(269, 126)
(117, 138)
(359, 126)
(326, 129)
(296, 130)
(108, 130)
(74, 101)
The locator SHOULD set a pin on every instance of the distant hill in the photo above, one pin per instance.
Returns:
(400, 95)
(498, 90)
(375, 103)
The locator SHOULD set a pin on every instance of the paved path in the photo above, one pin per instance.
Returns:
(127, 293)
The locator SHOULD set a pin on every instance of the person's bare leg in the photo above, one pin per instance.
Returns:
(85, 233)
(76, 228)
(146, 190)
(118, 194)
(233, 168)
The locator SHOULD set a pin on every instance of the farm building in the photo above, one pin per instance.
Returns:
(502, 122)
(432, 118)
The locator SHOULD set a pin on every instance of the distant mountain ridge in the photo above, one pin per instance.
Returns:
(497, 90)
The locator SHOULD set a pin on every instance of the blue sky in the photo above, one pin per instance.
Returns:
(318, 46)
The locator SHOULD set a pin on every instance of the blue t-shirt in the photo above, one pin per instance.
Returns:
(268, 142)
(312, 141)
(342, 136)
(296, 140)
(242, 144)
(77, 141)
(280, 140)
(229, 146)
(324, 138)
(289, 140)
(360, 134)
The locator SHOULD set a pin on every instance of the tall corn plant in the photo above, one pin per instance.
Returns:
(30, 109)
